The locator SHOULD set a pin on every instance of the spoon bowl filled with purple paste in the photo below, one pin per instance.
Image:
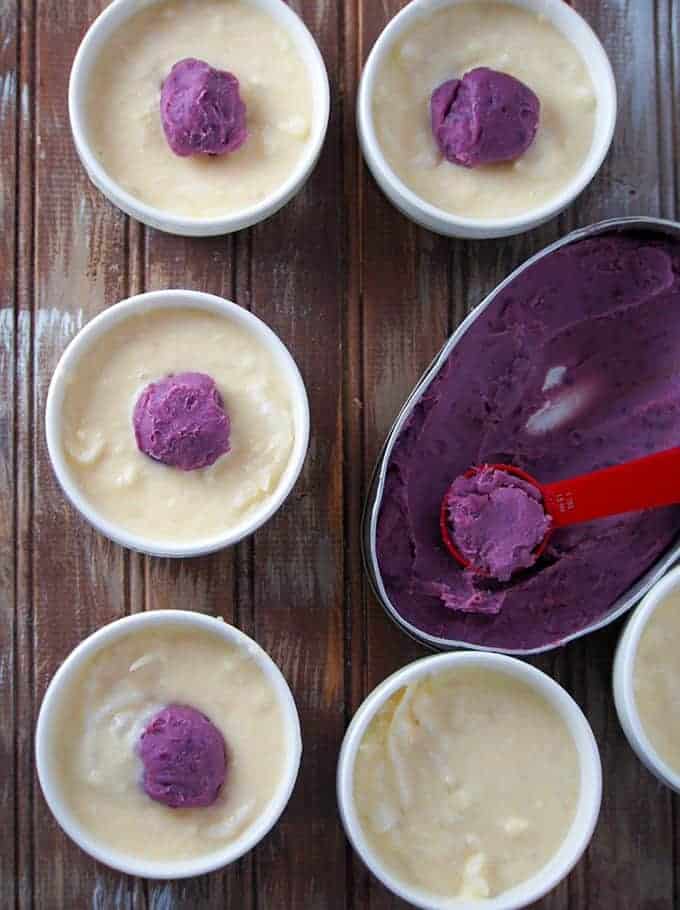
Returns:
(571, 365)
(496, 519)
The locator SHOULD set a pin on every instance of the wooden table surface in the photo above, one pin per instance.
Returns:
(364, 299)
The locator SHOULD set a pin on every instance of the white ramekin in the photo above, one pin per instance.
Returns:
(590, 795)
(176, 299)
(101, 30)
(578, 32)
(49, 780)
(624, 665)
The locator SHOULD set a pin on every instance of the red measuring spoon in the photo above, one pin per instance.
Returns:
(645, 483)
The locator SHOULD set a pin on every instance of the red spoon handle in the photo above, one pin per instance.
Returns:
(642, 484)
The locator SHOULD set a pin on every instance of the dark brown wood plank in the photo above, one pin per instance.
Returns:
(77, 579)
(23, 407)
(355, 479)
(9, 97)
(665, 57)
(297, 281)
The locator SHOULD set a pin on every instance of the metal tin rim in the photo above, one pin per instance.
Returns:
(377, 484)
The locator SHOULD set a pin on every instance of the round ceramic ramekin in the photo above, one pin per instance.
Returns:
(578, 32)
(624, 694)
(48, 777)
(154, 301)
(101, 30)
(587, 809)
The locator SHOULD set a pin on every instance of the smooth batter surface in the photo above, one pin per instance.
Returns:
(448, 44)
(105, 708)
(656, 680)
(152, 499)
(575, 366)
(466, 783)
(124, 105)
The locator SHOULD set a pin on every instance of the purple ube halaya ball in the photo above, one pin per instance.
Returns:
(496, 520)
(181, 422)
(184, 758)
(484, 118)
(201, 110)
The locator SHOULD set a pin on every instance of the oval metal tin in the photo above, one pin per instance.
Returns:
(376, 487)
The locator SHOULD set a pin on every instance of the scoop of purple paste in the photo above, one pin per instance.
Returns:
(484, 118)
(184, 758)
(181, 421)
(201, 110)
(496, 520)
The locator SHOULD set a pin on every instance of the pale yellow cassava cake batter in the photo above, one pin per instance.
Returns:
(153, 500)
(102, 713)
(124, 121)
(503, 37)
(466, 783)
(656, 680)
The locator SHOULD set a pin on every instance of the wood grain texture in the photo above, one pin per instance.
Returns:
(77, 577)
(9, 102)
(364, 299)
(23, 451)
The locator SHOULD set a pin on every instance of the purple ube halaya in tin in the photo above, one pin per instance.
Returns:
(201, 110)
(574, 366)
(184, 758)
(484, 118)
(181, 422)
